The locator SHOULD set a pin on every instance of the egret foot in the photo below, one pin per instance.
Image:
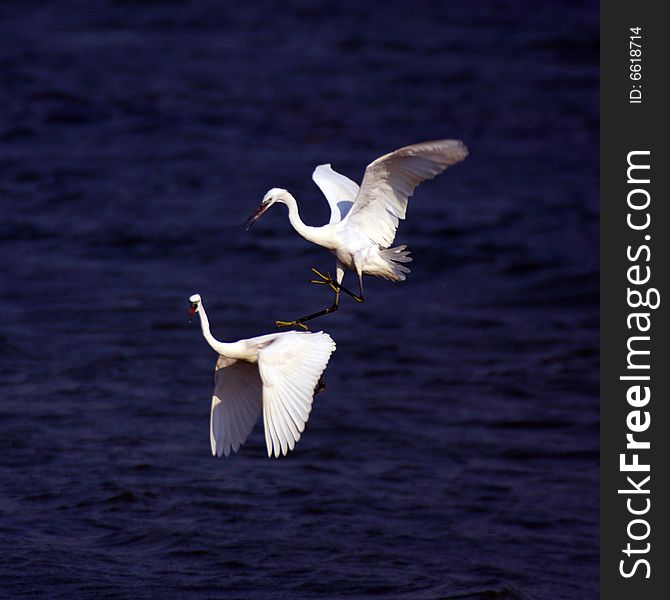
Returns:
(325, 280)
(336, 287)
(296, 323)
(320, 386)
(302, 320)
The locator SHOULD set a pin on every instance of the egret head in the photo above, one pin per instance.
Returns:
(195, 304)
(274, 195)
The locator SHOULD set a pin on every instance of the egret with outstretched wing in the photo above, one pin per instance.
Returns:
(363, 221)
(277, 374)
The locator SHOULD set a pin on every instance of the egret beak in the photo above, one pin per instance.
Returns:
(191, 311)
(257, 214)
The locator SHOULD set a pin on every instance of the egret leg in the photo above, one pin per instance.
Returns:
(326, 311)
(302, 320)
(320, 386)
(338, 287)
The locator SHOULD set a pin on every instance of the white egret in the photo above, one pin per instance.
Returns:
(279, 373)
(363, 221)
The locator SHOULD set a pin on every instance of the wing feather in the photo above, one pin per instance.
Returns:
(290, 368)
(339, 190)
(236, 404)
(391, 179)
(271, 437)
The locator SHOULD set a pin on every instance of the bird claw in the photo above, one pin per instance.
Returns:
(291, 324)
(320, 386)
(325, 280)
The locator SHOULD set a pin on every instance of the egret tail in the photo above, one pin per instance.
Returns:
(394, 258)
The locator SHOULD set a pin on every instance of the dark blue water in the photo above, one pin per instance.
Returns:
(455, 452)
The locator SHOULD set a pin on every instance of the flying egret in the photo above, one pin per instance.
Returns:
(279, 373)
(363, 221)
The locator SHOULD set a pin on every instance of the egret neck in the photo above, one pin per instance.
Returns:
(227, 350)
(310, 233)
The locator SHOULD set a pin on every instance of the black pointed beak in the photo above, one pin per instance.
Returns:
(256, 215)
(191, 311)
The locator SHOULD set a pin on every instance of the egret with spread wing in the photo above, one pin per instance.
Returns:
(363, 221)
(278, 373)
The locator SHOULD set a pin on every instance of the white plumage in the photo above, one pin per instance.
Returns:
(391, 179)
(338, 189)
(363, 221)
(277, 373)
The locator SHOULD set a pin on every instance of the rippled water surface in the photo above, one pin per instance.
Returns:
(455, 451)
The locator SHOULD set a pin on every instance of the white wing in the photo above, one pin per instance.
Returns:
(290, 368)
(391, 179)
(340, 191)
(236, 404)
